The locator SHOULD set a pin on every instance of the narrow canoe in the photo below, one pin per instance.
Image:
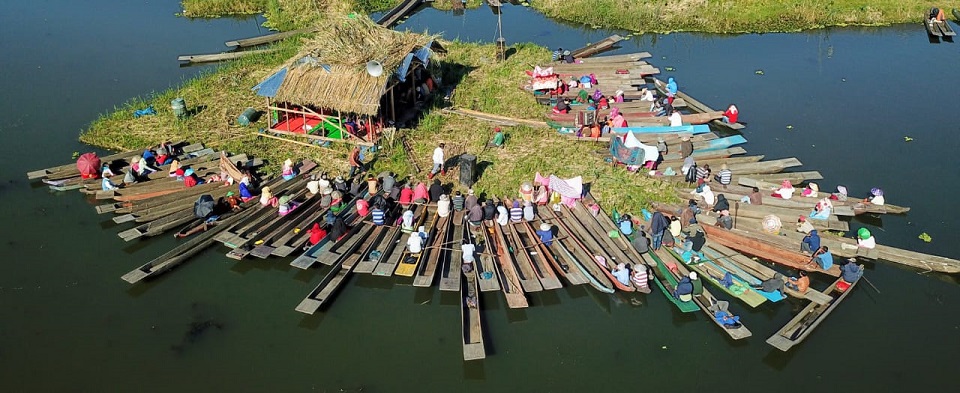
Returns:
(800, 327)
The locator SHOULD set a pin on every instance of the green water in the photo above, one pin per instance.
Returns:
(68, 323)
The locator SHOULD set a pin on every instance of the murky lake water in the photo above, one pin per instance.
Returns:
(68, 323)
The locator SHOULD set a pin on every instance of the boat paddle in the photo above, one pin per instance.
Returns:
(864, 277)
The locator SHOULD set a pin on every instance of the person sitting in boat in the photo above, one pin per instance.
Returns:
(143, 167)
(703, 174)
(316, 235)
(617, 120)
(562, 106)
(865, 239)
(694, 242)
(558, 54)
(936, 15)
(338, 229)
(731, 115)
(810, 243)
(525, 192)
(378, 216)
(849, 274)
(107, 185)
(267, 198)
(684, 290)
(435, 191)
(336, 202)
(811, 190)
(722, 314)
(647, 95)
(286, 205)
(626, 225)
(406, 221)
(707, 194)
(686, 147)
(676, 120)
(603, 103)
(822, 210)
(585, 82)
(725, 221)
(771, 285)
(582, 97)
(804, 226)
(674, 230)
(489, 210)
(326, 198)
(457, 201)
(640, 241)
(190, 178)
(754, 198)
(657, 109)
(722, 204)
(671, 90)
(443, 205)
(568, 57)
(618, 96)
(475, 215)
(406, 195)
(233, 201)
(876, 197)
(516, 212)
(245, 194)
(528, 211)
(503, 216)
(785, 191)
(799, 284)
(621, 273)
(363, 207)
(640, 278)
(416, 240)
(471, 200)
(545, 233)
(823, 258)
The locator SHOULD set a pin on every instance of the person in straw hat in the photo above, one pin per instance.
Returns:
(546, 234)
(686, 147)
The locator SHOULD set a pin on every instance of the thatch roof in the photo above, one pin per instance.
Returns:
(330, 72)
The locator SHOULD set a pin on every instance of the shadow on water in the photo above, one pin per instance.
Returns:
(200, 326)
(516, 315)
(312, 322)
(778, 360)
(602, 300)
(490, 301)
(423, 295)
(474, 370)
(576, 291)
(546, 298)
(306, 276)
(370, 281)
(449, 298)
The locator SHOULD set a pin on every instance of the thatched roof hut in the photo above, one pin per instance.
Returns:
(330, 72)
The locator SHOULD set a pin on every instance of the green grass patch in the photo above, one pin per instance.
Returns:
(218, 8)
(735, 16)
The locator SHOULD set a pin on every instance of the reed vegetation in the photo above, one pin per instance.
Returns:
(736, 16)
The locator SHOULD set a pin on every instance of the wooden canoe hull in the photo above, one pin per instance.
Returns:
(789, 258)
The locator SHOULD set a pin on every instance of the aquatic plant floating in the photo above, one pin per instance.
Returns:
(669, 68)
(907, 139)
(758, 72)
(925, 237)
(789, 127)
(75, 155)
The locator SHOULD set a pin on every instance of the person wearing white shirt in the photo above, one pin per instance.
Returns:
(675, 119)
(438, 161)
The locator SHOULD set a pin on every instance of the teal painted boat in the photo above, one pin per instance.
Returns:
(713, 273)
(741, 275)
(662, 277)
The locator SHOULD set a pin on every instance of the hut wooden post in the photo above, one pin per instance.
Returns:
(393, 109)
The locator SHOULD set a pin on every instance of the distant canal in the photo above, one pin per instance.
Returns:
(840, 100)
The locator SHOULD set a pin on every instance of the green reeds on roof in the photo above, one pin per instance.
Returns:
(330, 72)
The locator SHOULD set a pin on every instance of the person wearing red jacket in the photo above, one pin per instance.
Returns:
(731, 115)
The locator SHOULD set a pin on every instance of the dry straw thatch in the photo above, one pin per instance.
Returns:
(345, 45)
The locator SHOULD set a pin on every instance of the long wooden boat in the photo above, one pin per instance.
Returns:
(401, 10)
(664, 279)
(846, 248)
(450, 274)
(704, 300)
(470, 322)
(560, 262)
(745, 211)
(931, 27)
(697, 106)
(488, 275)
(398, 249)
(577, 258)
(856, 204)
(516, 256)
(713, 273)
(597, 47)
(737, 240)
(528, 251)
(266, 39)
(695, 119)
(510, 282)
(583, 238)
(800, 327)
(311, 255)
(434, 253)
(760, 271)
(739, 275)
(182, 252)
(352, 252)
(615, 58)
(252, 238)
(407, 266)
(599, 229)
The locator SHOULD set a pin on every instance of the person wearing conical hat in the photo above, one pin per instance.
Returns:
(286, 205)
(546, 234)
(686, 147)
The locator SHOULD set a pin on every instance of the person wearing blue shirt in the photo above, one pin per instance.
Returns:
(823, 258)
(811, 242)
(850, 272)
(545, 234)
